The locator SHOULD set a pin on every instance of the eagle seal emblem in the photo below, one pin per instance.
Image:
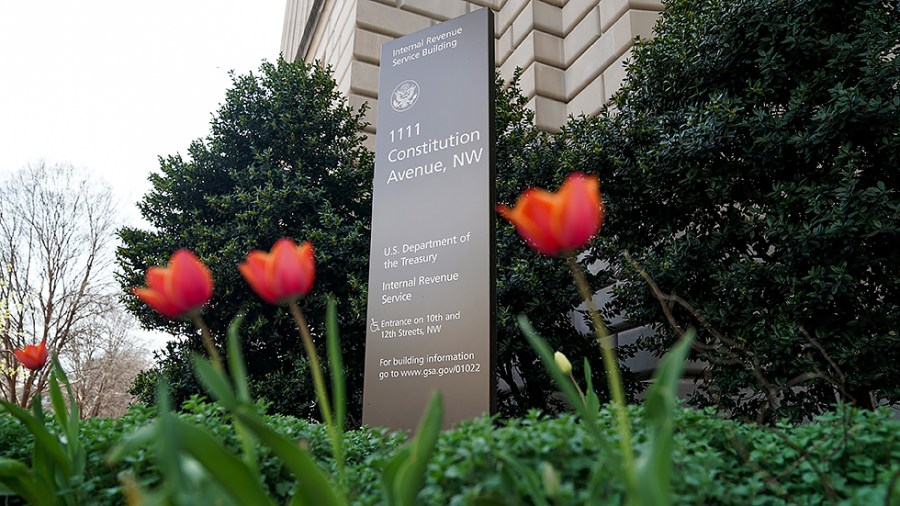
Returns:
(405, 95)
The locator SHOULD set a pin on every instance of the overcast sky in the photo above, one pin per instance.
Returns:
(109, 85)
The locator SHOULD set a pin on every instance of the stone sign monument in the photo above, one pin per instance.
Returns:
(431, 273)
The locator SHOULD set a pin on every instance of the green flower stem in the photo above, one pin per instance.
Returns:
(614, 380)
(319, 383)
(578, 389)
(208, 342)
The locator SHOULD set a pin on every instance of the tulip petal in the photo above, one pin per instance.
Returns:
(533, 217)
(255, 271)
(308, 264)
(189, 284)
(158, 302)
(580, 215)
(284, 274)
(293, 269)
(156, 278)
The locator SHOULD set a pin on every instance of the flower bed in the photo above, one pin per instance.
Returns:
(846, 457)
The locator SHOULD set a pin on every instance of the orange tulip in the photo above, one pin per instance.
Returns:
(284, 275)
(561, 222)
(180, 289)
(31, 356)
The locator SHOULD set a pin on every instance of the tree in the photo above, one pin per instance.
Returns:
(284, 158)
(750, 168)
(55, 226)
(104, 359)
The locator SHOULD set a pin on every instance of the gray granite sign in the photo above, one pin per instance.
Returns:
(431, 272)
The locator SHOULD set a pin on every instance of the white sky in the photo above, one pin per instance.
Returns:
(109, 85)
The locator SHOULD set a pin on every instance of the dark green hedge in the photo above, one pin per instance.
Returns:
(846, 457)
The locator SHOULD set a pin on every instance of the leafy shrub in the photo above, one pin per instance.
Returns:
(751, 169)
(284, 158)
(845, 457)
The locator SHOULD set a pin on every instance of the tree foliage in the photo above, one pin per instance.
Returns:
(529, 283)
(283, 159)
(750, 167)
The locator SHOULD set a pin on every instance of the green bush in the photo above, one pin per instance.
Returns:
(284, 158)
(751, 168)
(847, 457)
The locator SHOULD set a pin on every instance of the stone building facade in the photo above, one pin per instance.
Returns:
(571, 51)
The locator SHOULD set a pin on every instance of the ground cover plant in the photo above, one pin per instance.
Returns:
(845, 457)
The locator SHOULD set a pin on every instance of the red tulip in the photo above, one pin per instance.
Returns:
(180, 289)
(284, 275)
(561, 222)
(31, 356)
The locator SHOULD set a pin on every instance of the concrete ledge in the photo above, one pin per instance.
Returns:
(367, 45)
(544, 80)
(502, 48)
(364, 79)
(522, 56)
(380, 18)
(522, 26)
(547, 18)
(582, 35)
(549, 114)
(612, 10)
(441, 10)
(505, 16)
(590, 100)
(573, 12)
(614, 76)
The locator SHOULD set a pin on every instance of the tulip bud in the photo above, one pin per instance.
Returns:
(562, 362)
(550, 479)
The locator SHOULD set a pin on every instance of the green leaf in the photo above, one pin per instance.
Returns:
(313, 487)
(168, 447)
(139, 439)
(338, 395)
(215, 382)
(236, 360)
(404, 474)
(239, 377)
(74, 449)
(20, 480)
(528, 478)
(654, 466)
(56, 397)
(563, 382)
(232, 474)
(335, 361)
(44, 442)
(591, 400)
